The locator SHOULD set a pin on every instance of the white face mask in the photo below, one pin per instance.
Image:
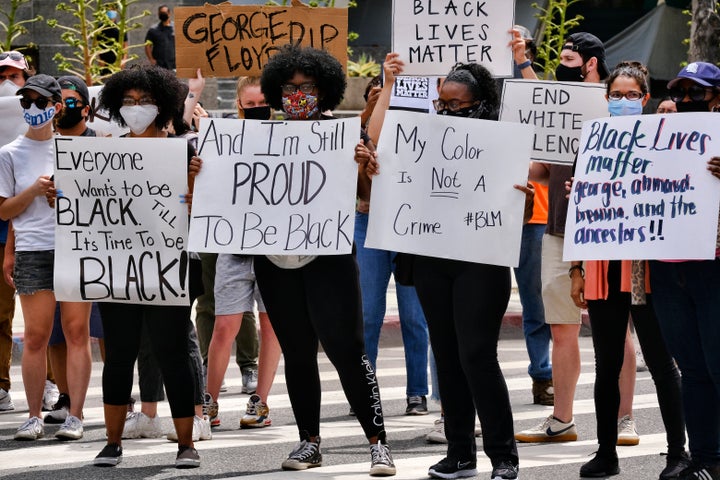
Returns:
(37, 118)
(8, 88)
(139, 117)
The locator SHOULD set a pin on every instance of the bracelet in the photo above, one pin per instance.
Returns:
(524, 65)
(576, 267)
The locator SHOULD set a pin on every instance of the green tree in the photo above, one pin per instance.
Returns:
(555, 28)
(13, 27)
(704, 32)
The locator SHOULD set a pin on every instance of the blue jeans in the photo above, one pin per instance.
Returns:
(375, 269)
(687, 304)
(527, 275)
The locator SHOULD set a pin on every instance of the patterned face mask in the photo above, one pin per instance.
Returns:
(300, 106)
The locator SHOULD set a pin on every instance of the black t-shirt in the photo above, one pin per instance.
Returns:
(163, 44)
(106, 37)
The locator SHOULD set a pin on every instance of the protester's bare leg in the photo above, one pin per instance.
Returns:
(566, 368)
(114, 422)
(38, 310)
(226, 328)
(627, 377)
(149, 409)
(269, 357)
(58, 361)
(184, 428)
(75, 318)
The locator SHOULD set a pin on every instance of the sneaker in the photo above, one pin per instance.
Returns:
(32, 429)
(249, 380)
(675, 465)
(51, 394)
(71, 429)
(201, 430)
(210, 409)
(451, 468)
(505, 470)
(701, 472)
(6, 403)
(627, 434)
(60, 410)
(187, 457)
(131, 405)
(416, 405)
(640, 365)
(437, 434)
(601, 466)
(306, 454)
(543, 393)
(223, 387)
(256, 414)
(109, 456)
(550, 430)
(139, 425)
(381, 462)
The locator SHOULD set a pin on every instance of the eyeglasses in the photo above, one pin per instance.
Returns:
(73, 103)
(631, 95)
(695, 92)
(306, 88)
(452, 105)
(40, 102)
(131, 102)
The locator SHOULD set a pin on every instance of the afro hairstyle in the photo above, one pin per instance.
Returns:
(481, 84)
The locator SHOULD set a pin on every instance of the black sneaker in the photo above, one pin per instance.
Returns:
(381, 462)
(701, 472)
(187, 457)
(306, 454)
(675, 465)
(109, 456)
(505, 470)
(601, 466)
(416, 405)
(59, 411)
(452, 468)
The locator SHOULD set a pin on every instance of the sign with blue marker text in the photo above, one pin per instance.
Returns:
(275, 187)
(445, 187)
(642, 190)
(121, 231)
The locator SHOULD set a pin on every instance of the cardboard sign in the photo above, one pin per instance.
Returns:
(642, 190)
(557, 110)
(121, 230)
(275, 187)
(230, 40)
(433, 35)
(446, 188)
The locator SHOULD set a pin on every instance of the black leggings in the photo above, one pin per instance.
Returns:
(321, 302)
(464, 304)
(167, 328)
(609, 322)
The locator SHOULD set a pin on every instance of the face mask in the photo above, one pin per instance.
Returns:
(568, 74)
(37, 118)
(257, 113)
(69, 117)
(300, 106)
(463, 112)
(8, 88)
(139, 117)
(701, 106)
(618, 108)
(163, 16)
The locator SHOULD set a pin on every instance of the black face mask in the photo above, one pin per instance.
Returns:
(568, 74)
(69, 117)
(701, 106)
(463, 112)
(257, 113)
(163, 16)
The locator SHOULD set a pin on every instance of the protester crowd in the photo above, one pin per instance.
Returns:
(451, 310)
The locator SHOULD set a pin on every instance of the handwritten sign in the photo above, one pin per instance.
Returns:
(275, 187)
(446, 188)
(642, 190)
(230, 40)
(557, 110)
(121, 230)
(433, 35)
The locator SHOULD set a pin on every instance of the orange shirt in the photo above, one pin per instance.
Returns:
(540, 207)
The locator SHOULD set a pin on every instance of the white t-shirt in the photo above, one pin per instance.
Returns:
(22, 161)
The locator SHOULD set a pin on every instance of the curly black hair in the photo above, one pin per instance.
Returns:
(481, 84)
(160, 83)
(318, 64)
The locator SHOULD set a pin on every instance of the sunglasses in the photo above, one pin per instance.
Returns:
(40, 102)
(14, 56)
(73, 103)
(695, 92)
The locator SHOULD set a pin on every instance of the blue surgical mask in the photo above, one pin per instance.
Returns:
(618, 108)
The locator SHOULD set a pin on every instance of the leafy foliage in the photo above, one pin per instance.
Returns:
(556, 27)
(13, 27)
(365, 66)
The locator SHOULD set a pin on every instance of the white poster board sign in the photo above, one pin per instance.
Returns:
(414, 93)
(642, 190)
(275, 187)
(557, 109)
(121, 231)
(433, 35)
(446, 188)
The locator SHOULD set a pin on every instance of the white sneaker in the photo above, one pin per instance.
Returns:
(627, 433)
(139, 425)
(249, 380)
(72, 429)
(640, 365)
(50, 396)
(437, 434)
(201, 430)
(550, 430)
(32, 429)
(6, 403)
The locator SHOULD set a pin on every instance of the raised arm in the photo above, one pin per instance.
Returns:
(391, 67)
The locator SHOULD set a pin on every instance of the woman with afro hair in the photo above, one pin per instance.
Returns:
(146, 99)
(312, 299)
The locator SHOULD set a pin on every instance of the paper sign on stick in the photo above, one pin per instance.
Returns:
(228, 40)
(433, 35)
(446, 188)
(557, 109)
(275, 187)
(121, 231)
(642, 190)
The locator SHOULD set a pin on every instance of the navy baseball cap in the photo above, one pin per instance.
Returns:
(702, 73)
(588, 45)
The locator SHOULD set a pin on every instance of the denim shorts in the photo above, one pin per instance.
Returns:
(33, 271)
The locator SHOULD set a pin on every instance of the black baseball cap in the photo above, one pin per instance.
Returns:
(43, 84)
(71, 82)
(588, 45)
